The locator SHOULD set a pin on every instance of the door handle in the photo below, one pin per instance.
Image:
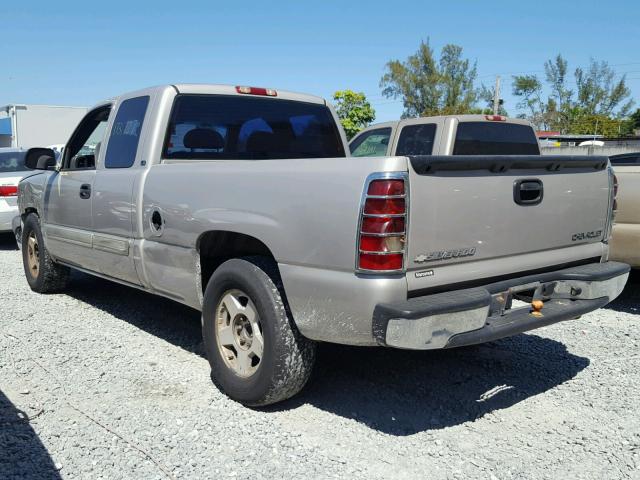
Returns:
(528, 191)
(85, 191)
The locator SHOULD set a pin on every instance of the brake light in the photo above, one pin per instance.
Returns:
(614, 208)
(613, 204)
(8, 191)
(383, 220)
(495, 118)
(383, 225)
(267, 92)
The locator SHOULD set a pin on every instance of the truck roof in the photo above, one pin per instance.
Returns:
(460, 118)
(221, 89)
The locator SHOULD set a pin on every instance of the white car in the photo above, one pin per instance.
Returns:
(12, 170)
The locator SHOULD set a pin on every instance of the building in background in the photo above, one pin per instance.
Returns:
(26, 126)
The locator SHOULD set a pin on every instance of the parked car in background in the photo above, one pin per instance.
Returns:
(243, 203)
(625, 242)
(12, 170)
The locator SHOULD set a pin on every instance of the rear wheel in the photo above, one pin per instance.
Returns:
(257, 355)
(43, 274)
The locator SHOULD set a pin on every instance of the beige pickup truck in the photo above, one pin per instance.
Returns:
(625, 243)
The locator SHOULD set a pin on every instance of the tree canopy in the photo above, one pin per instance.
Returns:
(571, 107)
(432, 87)
(354, 111)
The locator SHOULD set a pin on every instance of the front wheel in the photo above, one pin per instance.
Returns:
(43, 274)
(257, 355)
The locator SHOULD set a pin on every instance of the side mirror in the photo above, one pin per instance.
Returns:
(40, 159)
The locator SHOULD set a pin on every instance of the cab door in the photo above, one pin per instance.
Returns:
(119, 170)
(67, 218)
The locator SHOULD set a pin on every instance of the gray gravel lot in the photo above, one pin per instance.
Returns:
(109, 382)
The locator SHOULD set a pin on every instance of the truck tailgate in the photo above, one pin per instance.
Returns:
(479, 216)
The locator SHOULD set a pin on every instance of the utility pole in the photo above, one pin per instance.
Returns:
(496, 96)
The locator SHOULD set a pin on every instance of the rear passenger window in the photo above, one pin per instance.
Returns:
(416, 139)
(373, 143)
(125, 133)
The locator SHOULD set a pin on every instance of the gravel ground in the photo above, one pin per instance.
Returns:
(109, 382)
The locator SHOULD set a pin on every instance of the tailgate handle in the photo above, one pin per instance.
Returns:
(528, 191)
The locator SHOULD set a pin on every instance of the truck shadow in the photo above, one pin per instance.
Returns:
(393, 391)
(401, 392)
(22, 454)
(7, 241)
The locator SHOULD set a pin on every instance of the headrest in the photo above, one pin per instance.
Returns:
(203, 138)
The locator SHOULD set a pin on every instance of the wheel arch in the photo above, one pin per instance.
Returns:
(215, 247)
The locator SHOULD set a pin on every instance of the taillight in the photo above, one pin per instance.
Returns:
(495, 118)
(268, 92)
(383, 224)
(8, 191)
(613, 204)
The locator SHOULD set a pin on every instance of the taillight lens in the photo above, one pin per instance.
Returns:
(386, 187)
(8, 191)
(383, 225)
(381, 262)
(381, 241)
(614, 206)
(389, 244)
(613, 203)
(384, 206)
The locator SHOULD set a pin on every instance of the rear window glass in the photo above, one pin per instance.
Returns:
(236, 127)
(493, 138)
(12, 162)
(373, 143)
(416, 139)
(626, 159)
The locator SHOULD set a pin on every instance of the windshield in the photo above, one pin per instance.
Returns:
(12, 162)
(229, 127)
(493, 138)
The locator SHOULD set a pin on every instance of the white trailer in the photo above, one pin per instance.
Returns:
(26, 126)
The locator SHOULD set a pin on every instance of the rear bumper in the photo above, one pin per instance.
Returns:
(482, 314)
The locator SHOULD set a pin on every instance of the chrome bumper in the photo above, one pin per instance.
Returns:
(482, 314)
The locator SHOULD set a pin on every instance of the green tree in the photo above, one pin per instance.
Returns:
(529, 89)
(354, 111)
(598, 96)
(430, 87)
(584, 123)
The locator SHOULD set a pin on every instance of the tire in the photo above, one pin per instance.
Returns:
(18, 236)
(43, 274)
(243, 302)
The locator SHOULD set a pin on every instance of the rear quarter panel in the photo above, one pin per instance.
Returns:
(304, 210)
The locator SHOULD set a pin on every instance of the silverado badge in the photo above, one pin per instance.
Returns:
(445, 255)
